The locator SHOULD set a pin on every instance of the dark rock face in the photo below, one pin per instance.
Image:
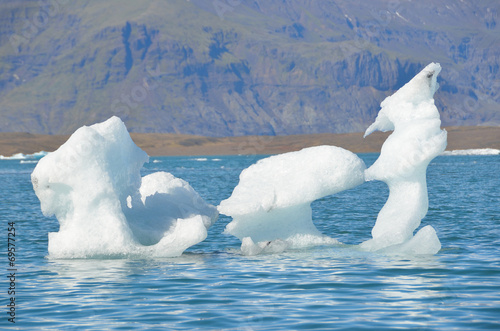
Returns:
(222, 68)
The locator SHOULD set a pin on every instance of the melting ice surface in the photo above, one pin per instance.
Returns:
(402, 164)
(271, 205)
(92, 184)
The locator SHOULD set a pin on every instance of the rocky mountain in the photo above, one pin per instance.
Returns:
(231, 67)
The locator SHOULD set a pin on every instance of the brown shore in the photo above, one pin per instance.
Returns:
(159, 144)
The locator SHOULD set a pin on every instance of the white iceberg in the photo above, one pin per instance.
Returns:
(402, 164)
(92, 184)
(271, 208)
(271, 205)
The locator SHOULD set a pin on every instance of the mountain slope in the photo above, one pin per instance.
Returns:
(222, 68)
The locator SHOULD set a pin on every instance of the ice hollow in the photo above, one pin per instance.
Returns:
(92, 184)
(271, 205)
(417, 139)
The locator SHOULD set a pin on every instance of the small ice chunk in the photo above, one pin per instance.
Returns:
(476, 151)
(21, 156)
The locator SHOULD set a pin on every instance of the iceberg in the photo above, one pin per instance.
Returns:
(92, 184)
(416, 139)
(271, 205)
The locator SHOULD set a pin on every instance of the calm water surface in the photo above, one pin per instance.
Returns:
(212, 286)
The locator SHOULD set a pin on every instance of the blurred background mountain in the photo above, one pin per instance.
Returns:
(231, 67)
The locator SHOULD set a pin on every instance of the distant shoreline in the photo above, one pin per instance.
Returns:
(164, 144)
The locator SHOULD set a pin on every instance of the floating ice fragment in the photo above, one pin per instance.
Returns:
(273, 198)
(402, 164)
(92, 184)
(481, 151)
(21, 156)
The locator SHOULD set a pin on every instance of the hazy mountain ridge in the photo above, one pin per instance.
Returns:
(222, 68)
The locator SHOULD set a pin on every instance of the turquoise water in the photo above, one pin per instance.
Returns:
(212, 286)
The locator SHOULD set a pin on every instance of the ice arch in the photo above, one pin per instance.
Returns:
(271, 205)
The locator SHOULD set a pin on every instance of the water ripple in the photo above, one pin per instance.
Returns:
(212, 286)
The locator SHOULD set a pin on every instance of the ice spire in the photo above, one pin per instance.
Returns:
(402, 164)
